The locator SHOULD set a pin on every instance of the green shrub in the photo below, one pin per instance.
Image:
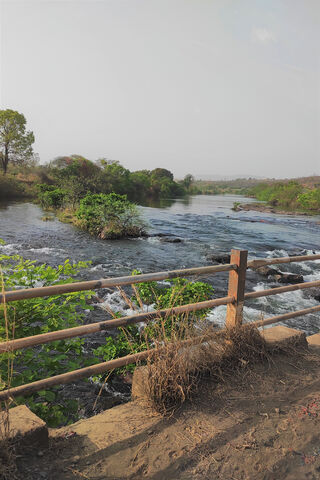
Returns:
(41, 315)
(50, 196)
(310, 200)
(109, 216)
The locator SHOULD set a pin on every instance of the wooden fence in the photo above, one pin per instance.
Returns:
(234, 300)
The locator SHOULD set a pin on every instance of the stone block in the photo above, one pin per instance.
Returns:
(314, 343)
(25, 428)
(280, 337)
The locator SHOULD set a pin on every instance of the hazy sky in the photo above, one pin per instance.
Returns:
(202, 86)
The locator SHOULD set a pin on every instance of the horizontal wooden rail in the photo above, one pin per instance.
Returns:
(261, 262)
(285, 316)
(277, 290)
(86, 372)
(73, 376)
(34, 340)
(82, 330)
(24, 294)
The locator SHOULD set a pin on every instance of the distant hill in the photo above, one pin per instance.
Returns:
(218, 178)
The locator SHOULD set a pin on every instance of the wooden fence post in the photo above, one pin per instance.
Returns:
(236, 289)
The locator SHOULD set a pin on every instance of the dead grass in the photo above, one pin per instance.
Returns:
(176, 369)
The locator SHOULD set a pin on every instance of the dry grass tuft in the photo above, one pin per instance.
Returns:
(176, 369)
(185, 349)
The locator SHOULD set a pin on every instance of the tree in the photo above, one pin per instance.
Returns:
(77, 176)
(188, 181)
(159, 173)
(15, 141)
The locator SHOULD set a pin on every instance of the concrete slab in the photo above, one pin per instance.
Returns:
(281, 337)
(25, 428)
(314, 342)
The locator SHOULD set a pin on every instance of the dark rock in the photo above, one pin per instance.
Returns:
(280, 277)
(267, 271)
(221, 258)
(289, 278)
(171, 240)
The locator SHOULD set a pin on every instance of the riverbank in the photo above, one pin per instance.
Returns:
(13, 188)
(265, 208)
(261, 425)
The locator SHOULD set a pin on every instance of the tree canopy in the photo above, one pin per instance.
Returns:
(15, 141)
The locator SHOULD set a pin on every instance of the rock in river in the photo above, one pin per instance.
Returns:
(220, 258)
(171, 240)
(280, 277)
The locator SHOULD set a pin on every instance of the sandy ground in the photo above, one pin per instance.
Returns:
(263, 424)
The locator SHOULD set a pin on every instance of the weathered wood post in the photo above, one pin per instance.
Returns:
(236, 289)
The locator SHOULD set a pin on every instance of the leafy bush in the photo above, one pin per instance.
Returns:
(310, 200)
(40, 315)
(176, 291)
(128, 341)
(109, 216)
(50, 196)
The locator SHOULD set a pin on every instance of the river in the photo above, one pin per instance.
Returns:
(207, 226)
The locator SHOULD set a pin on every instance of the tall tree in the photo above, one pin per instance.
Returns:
(15, 141)
(188, 181)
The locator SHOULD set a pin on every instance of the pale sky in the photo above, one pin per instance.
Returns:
(215, 87)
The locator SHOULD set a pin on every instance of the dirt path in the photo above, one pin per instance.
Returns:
(265, 425)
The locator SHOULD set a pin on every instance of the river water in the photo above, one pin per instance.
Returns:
(207, 226)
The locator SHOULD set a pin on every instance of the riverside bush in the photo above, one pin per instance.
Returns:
(41, 315)
(284, 195)
(310, 200)
(109, 216)
(176, 291)
(290, 196)
(50, 196)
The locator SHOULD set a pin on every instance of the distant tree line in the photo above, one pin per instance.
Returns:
(71, 178)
